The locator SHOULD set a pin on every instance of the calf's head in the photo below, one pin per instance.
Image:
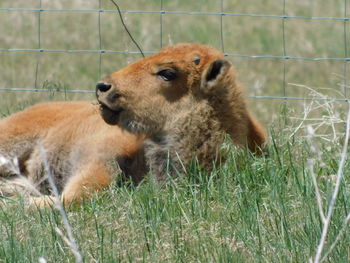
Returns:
(143, 95)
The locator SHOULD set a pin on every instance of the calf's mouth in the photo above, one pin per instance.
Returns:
(110, 116)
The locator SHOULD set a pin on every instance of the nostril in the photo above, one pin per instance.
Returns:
(115, 96)
(103, 87)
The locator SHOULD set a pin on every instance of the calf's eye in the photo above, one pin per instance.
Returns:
(167, 74)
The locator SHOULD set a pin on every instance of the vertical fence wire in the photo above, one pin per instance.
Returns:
(39, 47)
(284, 49)
(345, 51)
(221, 26)
(100, 39)
(161, 23)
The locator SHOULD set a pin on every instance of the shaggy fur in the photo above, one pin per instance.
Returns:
(79, 146)
(176, 105)
(186, 116)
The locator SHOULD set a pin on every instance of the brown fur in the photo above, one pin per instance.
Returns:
(185, 117)
(80, 148)
(143, 116)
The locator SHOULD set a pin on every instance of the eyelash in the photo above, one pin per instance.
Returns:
(167, 74)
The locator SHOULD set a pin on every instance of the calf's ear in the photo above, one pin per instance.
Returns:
(215, 74)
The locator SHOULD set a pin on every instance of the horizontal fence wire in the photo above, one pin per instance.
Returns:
(252, 97)
(162, 12)
(154, 52)
(173, 13)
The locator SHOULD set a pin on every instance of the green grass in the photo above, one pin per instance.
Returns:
(241, 35)
(247, 210)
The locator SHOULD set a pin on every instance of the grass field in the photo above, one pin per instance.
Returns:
(241, 35)
(248, 209)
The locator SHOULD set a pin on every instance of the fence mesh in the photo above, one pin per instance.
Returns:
(290, 42)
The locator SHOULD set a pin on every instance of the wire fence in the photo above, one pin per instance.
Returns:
(284, 57)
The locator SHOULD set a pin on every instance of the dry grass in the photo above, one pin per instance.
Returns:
(248, 210)
(242, 35)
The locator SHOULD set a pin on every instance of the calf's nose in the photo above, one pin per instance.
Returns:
(103, 87)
